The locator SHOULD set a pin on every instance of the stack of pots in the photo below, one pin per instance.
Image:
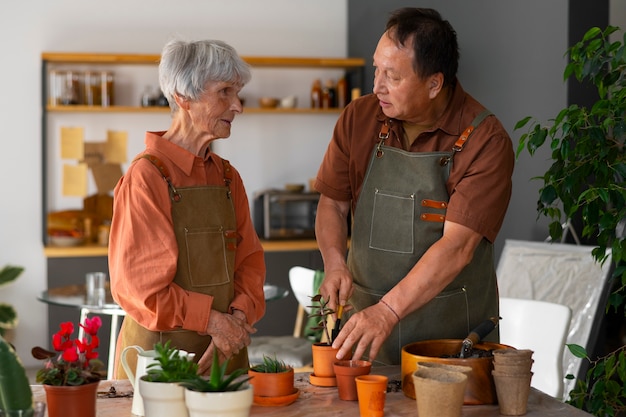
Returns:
(512, 375)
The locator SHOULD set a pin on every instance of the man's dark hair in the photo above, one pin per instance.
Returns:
(434, 41)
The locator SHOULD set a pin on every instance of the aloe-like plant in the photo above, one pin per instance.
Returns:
(170, 366)
(8, 315)
(15, 392)
(271, 365)
(587, 178)
(218, 380)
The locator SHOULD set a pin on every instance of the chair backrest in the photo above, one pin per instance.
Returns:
(563, 274)
(301, 281)
(542, 327)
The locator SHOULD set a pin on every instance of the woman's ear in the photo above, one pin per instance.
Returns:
(182, 102)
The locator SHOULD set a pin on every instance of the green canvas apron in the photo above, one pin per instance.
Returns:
(399, 215)
(206, 234)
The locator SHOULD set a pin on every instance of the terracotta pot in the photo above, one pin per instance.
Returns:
(76, 401)
(272, 384)
(480, 387)
(372, 391)
(323, 358)
(346, 372)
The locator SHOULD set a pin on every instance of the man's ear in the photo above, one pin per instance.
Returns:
(435, 85)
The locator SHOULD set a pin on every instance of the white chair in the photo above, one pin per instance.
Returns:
(542, 327)
(294, 350)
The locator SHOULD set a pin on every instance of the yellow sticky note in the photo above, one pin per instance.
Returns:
(72, 143)
(75, 180)
(115, 148)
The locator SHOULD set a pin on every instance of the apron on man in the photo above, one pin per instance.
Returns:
(398, 217)
(206, 234)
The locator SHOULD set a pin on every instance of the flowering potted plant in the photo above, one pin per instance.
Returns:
(71, 373)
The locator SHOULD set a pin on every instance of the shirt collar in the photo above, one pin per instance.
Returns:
(180, 157)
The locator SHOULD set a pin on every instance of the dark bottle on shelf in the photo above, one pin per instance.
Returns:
(329, 95)
(316, 94)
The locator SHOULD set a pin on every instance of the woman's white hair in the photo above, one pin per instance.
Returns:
(187, 66)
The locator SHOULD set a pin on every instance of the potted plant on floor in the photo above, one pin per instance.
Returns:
(273, 382)
(8, 315)
(161, 389)
(71, 374)
(587, 177)
(220, 393)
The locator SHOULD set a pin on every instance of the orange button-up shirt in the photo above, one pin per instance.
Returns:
(142, 246)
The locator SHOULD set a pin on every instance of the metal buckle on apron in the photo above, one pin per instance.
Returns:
(383, 135)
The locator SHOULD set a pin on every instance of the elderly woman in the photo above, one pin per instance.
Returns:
(185, 262)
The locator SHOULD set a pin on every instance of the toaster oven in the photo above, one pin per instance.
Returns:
(281, 214)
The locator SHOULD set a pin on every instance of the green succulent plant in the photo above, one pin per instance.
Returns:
(218, 381)
(170, 366)
(271, 365)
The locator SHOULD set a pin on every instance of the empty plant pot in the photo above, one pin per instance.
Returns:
(346, 371)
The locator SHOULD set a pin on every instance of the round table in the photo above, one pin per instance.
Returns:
(76, 296)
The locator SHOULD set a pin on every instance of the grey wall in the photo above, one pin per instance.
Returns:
(512, 60)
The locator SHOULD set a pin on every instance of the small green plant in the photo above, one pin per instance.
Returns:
(218, 381)
(320, 310)
(602, 389)
(271, 366)
(8, 315)
(174, 366)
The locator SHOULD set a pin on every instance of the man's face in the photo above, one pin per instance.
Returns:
(402, 94)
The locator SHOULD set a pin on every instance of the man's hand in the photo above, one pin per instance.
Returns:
(367, 328)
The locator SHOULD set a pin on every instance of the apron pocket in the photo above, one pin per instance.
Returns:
(392, 222)
(206, 243)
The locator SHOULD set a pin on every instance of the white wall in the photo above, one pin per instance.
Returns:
(269, 150)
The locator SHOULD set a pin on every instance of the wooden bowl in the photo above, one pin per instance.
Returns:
(480, 386)
(268, 102)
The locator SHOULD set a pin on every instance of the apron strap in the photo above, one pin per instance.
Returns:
(165, 173)
(460, 142)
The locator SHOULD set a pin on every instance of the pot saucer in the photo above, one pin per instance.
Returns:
(323, 381)
(277, 401)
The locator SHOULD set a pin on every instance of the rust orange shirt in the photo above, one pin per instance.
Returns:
(480, 180)
(143, 251)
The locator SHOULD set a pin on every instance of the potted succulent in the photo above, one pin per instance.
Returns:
(220, 393)
(72, 372)
(324, 355)
(160, 388)
(586, 178)
(15, 392)
(272, 379)
(8, 315)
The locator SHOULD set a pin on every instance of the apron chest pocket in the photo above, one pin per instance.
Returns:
(206, 243)
(392, 222)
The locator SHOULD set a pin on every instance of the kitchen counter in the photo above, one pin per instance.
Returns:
(95, 250)
(319, 401)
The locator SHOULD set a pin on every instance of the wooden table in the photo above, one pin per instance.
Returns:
(318, 401)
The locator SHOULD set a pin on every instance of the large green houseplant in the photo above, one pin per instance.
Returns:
(586, 179)
(8, 315)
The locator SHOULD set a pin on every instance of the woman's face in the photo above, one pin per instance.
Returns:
(213, 113)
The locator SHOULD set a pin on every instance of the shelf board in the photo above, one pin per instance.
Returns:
(138, 109)
(255, 61)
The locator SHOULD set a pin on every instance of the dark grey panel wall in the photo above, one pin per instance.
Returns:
(512, 60)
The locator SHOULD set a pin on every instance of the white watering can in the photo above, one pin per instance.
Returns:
(144, 359)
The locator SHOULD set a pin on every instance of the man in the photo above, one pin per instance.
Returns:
(426, 172)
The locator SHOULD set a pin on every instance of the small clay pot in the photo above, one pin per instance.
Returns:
(267, 384)
(346, 372)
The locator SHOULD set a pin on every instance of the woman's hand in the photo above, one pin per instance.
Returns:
(230, 333)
